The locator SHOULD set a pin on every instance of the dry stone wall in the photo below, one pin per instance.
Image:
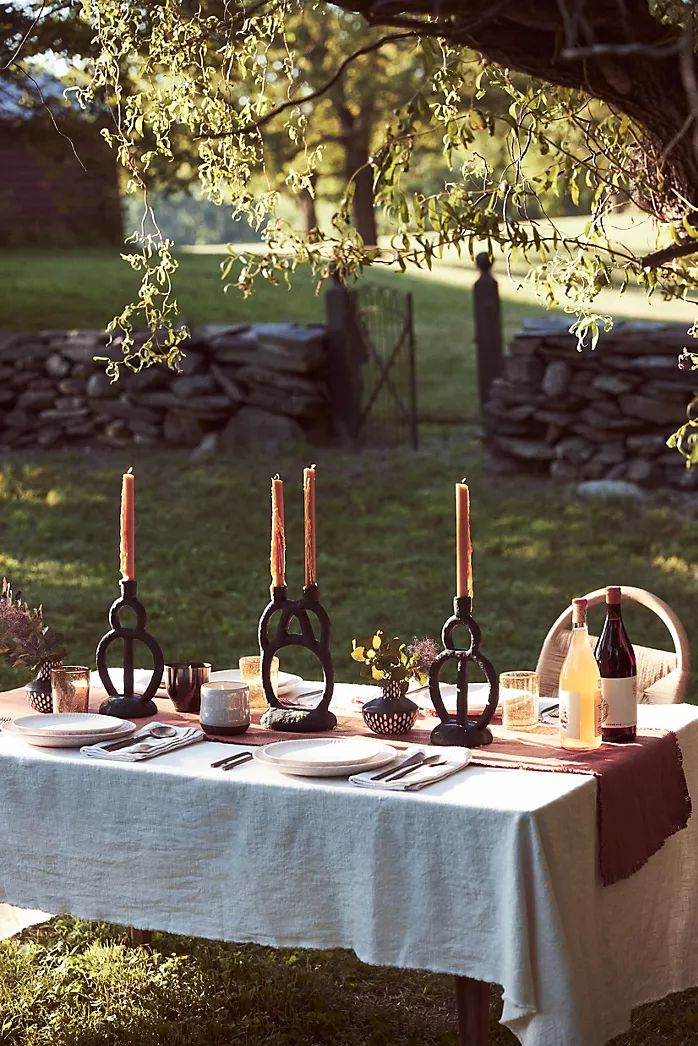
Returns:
(240, 386)
(593, 415)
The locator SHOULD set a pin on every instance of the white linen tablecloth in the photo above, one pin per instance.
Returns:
(491, 873)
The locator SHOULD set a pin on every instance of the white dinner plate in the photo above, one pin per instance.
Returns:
(286, 679)
(82, 724)
(141, 678)
(325, 751)
(46, 740)
(381, 759)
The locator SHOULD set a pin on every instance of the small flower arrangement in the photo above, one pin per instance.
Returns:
(24, 639)
(392, 661)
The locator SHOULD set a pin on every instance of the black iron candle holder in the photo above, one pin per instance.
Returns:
(129, 705)
(292, 718)
(467, 733)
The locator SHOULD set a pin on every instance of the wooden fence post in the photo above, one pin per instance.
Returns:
(347, 354)
(488, 328)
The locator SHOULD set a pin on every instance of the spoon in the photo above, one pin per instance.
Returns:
(155, 731)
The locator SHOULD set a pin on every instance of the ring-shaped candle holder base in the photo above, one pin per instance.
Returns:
(129, 705)
(462, 731)
(290, 718)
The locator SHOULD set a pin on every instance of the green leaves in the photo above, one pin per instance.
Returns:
(392, 659)
(460, 154)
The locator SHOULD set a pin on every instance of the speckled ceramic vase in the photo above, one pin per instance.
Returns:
(392, 712)
(38, 691)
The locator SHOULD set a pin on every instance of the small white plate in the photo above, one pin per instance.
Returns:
(286, 679)
(381, 759)
(325, 751)
(72, 740)
(82, 724)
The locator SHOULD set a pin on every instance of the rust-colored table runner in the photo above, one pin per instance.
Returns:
(642, 796)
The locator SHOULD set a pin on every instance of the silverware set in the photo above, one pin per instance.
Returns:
(232, 761)
(415, 762)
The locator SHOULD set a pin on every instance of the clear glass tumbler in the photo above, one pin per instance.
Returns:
(518, 694)
(70, 688)
(251, 673)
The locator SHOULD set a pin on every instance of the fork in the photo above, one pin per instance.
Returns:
(5, 719)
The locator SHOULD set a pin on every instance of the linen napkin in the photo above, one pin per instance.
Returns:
(186, 735)
(421, 777)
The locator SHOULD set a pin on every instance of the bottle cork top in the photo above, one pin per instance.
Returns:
(579, 611)
(613, 594)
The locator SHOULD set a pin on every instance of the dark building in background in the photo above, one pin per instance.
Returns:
(46, 197)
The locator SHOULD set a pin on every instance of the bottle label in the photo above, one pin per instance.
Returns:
(619, 702)
(570, 713)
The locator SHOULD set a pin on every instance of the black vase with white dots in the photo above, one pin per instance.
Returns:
(391, 713)
(38, 691)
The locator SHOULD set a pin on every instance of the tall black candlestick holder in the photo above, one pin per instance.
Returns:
(292, 718)
(468, 733)
(129, 705)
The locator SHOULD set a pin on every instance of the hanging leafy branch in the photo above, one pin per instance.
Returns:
(587, 100)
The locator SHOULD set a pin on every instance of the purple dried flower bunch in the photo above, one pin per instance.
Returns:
(423, 653)
(25, 642)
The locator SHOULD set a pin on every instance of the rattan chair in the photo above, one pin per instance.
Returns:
(662, 677)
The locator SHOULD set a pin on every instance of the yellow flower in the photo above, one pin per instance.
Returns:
(376, 672)
(358, 653)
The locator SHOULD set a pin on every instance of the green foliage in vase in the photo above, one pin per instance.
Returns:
(25, 642)
(389, 660)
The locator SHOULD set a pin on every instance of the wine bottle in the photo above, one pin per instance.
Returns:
(616, 660)
(580, 687)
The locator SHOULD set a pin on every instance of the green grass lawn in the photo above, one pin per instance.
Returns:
(385, 558)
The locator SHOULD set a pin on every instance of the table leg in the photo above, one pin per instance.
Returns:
(473, 1007)
(140, 937)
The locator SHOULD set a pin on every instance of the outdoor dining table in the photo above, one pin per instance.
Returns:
(490, 875)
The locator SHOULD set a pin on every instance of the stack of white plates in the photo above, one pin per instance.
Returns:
(326, 756)
(69, 730)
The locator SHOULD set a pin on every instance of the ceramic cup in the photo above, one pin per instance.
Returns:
(225, 707)
(183, 680)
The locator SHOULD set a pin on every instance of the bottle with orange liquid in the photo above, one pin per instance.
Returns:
(580, 687)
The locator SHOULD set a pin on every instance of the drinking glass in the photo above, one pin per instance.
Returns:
(70, 688)
(225, 707)
(251, 674)
(518, 693)
(183, 683)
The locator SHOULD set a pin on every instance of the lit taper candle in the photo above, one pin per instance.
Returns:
(464, 548)
(128, 526)
(309, 515)
(278, 537)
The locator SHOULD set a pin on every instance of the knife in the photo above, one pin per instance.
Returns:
(416, 758)
(404, 771)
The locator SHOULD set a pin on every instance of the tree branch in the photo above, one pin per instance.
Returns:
(293, 103)
(666, 254)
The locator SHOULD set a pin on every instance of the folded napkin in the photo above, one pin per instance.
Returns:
(421, 777)
(186, 735)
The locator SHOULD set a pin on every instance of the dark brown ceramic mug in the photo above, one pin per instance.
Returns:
(183, 681)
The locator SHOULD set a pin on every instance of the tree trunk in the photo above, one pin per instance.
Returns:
(356, 137)
(306, 206)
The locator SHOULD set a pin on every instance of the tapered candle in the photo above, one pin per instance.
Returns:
(278, 537)
(128, 526)
(309, 515)
(464, 548)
